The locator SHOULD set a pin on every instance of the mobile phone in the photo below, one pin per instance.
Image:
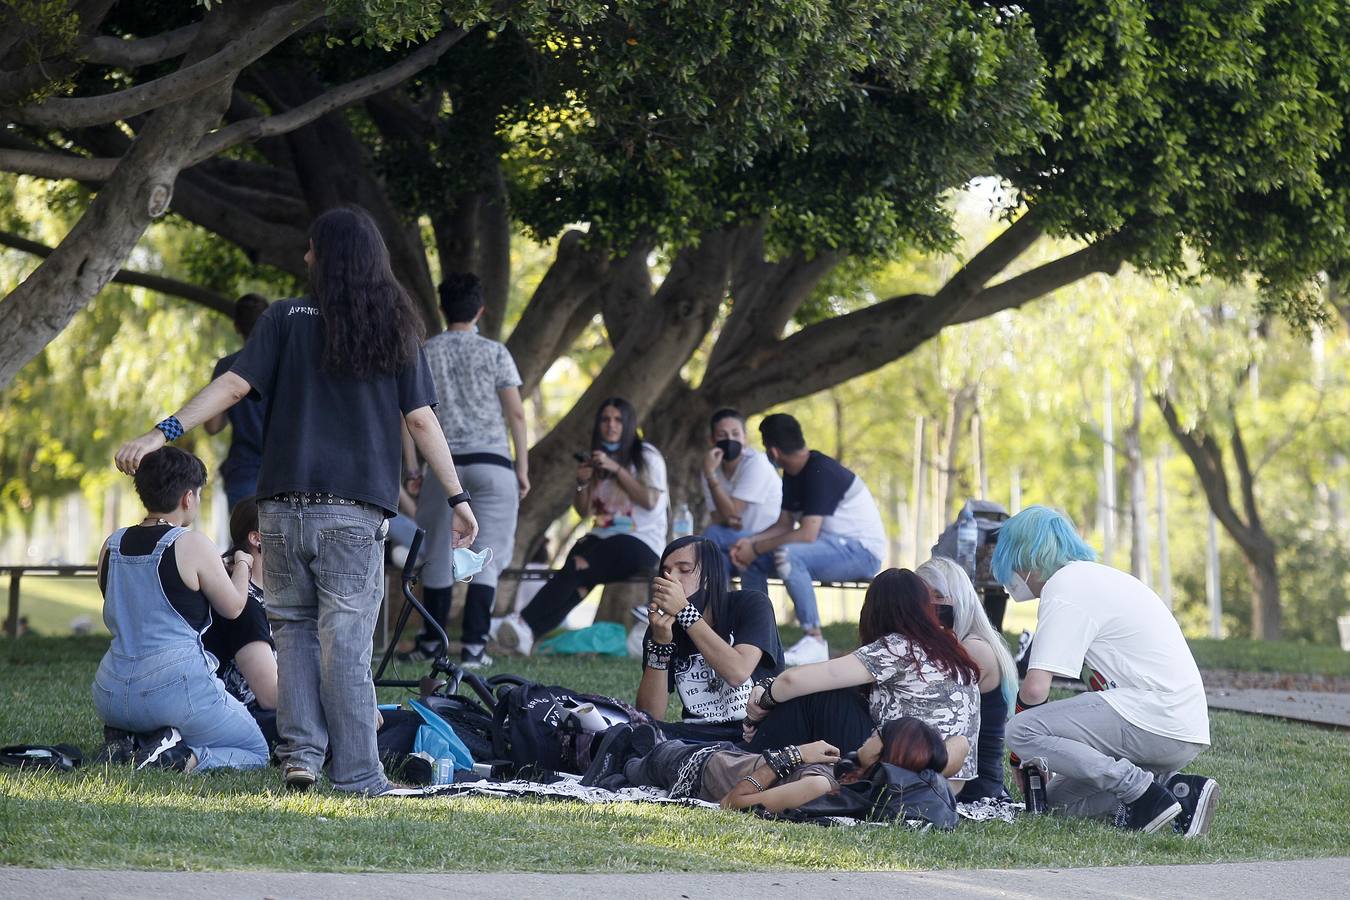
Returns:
(581, 457)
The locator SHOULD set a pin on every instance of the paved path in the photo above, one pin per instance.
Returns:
(1319, 707)
(1304, 878)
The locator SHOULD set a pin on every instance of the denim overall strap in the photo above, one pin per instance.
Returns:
(136, 610)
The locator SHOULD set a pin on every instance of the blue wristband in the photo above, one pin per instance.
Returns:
(172, 428)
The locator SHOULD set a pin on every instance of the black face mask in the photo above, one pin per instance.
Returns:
(731, 450)
(946, 614)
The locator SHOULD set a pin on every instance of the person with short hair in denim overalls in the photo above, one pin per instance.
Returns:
(155, 688)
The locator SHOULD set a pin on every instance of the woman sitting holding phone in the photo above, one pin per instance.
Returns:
(622, 486)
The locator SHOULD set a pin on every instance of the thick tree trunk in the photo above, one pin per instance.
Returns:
(139, 191)
(655, 345)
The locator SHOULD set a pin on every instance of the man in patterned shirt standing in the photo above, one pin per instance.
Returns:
(478, 384)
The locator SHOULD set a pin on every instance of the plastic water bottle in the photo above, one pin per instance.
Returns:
(684, 521)
(445, 770)
(967, 537)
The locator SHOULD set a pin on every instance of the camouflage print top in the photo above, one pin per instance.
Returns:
(922, 691)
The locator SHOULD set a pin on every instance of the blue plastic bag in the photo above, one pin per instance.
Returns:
(437, 739)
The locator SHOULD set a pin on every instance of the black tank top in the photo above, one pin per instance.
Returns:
(140, 540)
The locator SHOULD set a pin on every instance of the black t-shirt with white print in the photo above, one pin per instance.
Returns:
(323, 432)
(705, 695)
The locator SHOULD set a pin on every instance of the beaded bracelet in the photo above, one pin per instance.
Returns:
(751, 779)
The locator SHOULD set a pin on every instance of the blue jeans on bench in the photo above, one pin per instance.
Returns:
(829, 557)
(724, 537)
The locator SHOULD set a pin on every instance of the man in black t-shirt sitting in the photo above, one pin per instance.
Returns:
(243, 646)
(829, 530)
(705, 643)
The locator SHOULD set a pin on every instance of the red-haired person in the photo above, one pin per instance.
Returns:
(908, 665)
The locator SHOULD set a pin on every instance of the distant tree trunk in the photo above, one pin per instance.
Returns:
(1136, 473)
(962, 404)
(1245, 527)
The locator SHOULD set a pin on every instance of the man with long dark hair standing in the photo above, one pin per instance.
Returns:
(342, 371)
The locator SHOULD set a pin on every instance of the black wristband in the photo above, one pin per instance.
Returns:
(461, 497)
(1021, 705)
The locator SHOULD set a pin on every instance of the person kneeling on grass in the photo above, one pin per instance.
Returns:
(895, 773)
(909, 665)
(156, 689)
(1118, 748)
(704, 642)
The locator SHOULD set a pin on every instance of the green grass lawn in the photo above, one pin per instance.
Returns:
(1285, 787)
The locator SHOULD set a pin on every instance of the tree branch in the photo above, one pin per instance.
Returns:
(60, 166)
(270, 29)
(270, 126)
(107, 50)
(1042, 280)
(171, 286)
(996, 256)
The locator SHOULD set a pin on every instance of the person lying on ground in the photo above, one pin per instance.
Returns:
(959, 608)
(621, 484)
(243, 646)
(156, 688)
(704, 642)
(829, 529)
(741, 491)
(795, 777)
(908, 665)
(1117, 750)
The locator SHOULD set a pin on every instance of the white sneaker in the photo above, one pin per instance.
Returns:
(514, 635)
(494, 625)
(635, 636)
(810, 649)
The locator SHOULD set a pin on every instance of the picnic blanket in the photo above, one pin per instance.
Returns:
(986, 810)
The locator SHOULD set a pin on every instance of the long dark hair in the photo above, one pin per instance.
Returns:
(370, 325)
(899, 602)
(711, 599)
(630, 442)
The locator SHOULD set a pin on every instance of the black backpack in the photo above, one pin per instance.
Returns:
(534, 729)
(473, 723)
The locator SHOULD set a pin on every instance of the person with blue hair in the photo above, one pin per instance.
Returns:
(1118, 748)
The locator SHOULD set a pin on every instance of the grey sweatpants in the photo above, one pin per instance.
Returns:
(495, 504)
(1097, 759)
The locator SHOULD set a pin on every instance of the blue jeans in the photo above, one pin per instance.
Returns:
(323, 570)
(828, 558)
(176, 687)
(724, 537)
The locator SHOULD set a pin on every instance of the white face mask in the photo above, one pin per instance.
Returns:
(1019, 590)
(465, 563)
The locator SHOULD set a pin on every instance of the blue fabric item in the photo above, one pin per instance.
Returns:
(606, 638)
(438, 739)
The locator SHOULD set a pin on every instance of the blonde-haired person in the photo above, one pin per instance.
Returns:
(951, 587)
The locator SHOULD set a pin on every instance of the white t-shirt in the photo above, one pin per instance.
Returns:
(614, 512)
(1109, 620)
(756, 482)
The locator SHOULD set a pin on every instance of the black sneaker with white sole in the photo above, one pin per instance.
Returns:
(163, 749)
(1154, 810)
(1198, 797)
